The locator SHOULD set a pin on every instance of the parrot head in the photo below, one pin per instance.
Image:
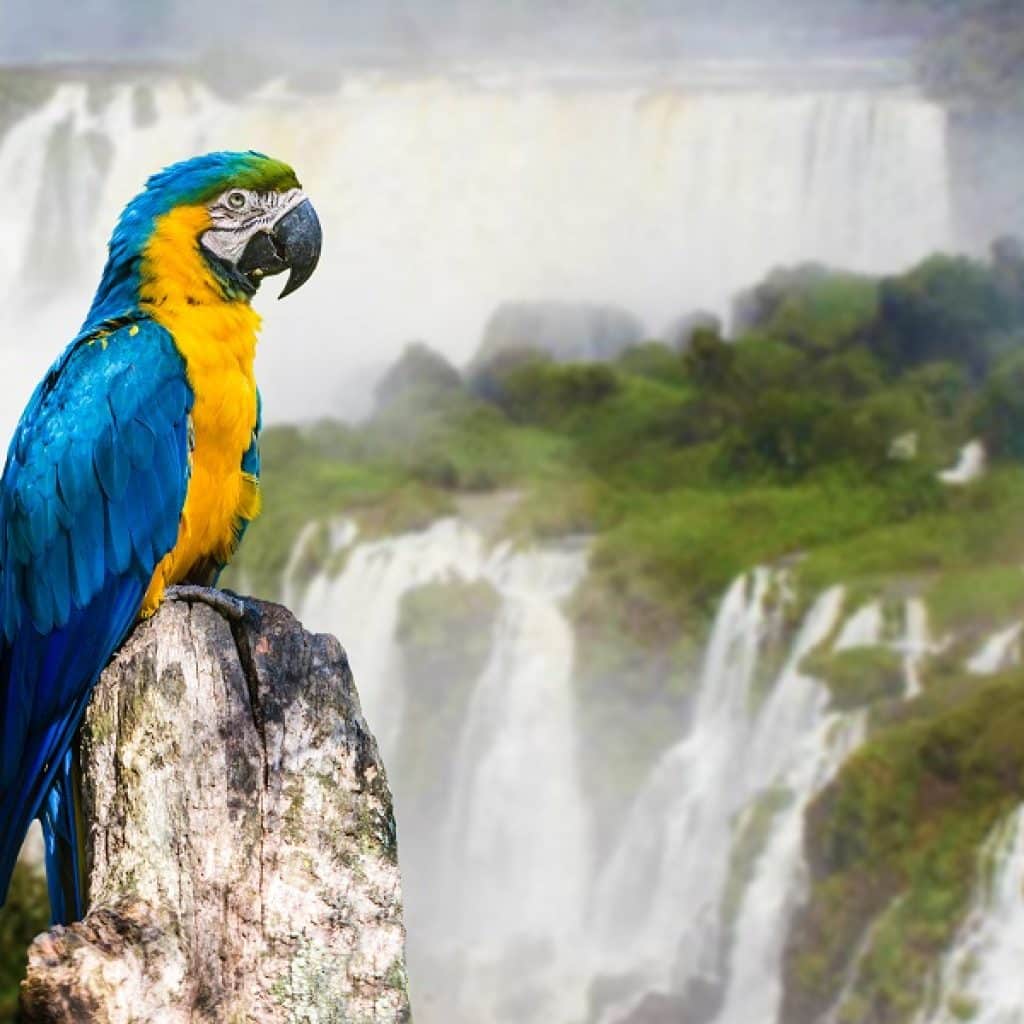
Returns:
(261, 223)
(243, 214)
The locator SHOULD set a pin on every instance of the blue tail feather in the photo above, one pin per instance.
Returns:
(60, 817)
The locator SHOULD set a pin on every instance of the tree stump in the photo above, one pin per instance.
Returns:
(241, 854)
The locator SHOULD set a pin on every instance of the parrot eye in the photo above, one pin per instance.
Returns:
(236, 200)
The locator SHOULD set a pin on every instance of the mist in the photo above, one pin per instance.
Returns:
(463, 156)
(440, 30)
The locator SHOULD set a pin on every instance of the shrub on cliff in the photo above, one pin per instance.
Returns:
(710, 361)
(420, 378)
(532, 389)
(810, 306)
(893, 841)
(1000, 415)
(948, 308)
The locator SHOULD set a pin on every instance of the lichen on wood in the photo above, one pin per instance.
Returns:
(241, 848)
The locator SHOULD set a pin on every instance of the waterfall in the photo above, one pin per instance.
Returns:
(710, 864)
(862, 629)
(916, 644)
(514, 837)
(510, 917)
(665, 862)
(799, 747)
(516, 776)
(981, 979)
(1000, 651)
(516, 847)
(361, 605)
(443, 197)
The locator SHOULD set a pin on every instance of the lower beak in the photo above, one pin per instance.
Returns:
(292, 244)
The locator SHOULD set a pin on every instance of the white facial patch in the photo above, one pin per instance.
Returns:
(238, 214)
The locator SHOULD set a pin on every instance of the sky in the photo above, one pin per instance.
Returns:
(90, 30)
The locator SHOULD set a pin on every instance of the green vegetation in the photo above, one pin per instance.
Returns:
(893, 844)
(445, 631)
(22, 918)
(954, 529)
(992, 594)
(1001, 412)
(858, 676)
(815, 435)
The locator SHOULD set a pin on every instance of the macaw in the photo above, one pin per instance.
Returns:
(134, 469)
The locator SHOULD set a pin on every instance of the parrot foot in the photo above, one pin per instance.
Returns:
(223, 601)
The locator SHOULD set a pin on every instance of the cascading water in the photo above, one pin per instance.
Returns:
(444, 197)
(981, 979)
(916, 644)
(798, 746)
(515, 845)
(510, 919)
(863, 629)
(1000, 651)
(361, 605)
(711, 863)
(514, 840)
(664, 862)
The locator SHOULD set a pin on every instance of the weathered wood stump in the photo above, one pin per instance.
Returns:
(241, 845)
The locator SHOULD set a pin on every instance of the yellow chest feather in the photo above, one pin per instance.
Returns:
(217, 340)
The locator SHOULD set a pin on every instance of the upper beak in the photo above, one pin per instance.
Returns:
(293, 244)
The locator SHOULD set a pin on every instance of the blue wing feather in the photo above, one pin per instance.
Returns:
(90, 500)
(112, 464)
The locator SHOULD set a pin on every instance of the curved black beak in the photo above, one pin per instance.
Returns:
(293, 244)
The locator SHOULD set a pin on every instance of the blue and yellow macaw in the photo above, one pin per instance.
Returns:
(135, 466)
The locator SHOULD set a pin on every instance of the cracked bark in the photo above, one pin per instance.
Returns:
(241, 846)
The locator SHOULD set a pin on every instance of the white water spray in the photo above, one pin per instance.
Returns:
(515, 840)
(442, 198)
(982, 980)
(1000, 651)
(711, 861)
(699, 891)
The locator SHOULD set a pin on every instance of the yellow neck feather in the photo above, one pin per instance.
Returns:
(216, 337)
(179, 290)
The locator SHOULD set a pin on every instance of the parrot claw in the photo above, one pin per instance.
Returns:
(223, 601)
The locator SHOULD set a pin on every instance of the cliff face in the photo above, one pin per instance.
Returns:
(241, 846)
(893, 850)
(566, 331)
(986, 148)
